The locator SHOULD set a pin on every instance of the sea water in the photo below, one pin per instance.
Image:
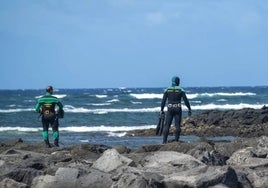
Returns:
(104, 115)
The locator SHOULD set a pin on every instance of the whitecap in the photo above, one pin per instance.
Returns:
(56, 95)
(113, 100)
(192, 96)
(101, 96)
(60, 96)
(104, 128)
(233, 94)
(16, 110)
(20, 129)
(100, 104)
(72, 109)
(213, 106)
(222, 100)
(113, 134)
(134, 102)
(147, 96)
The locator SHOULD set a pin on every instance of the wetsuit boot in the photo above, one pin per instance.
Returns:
(56, 138)
(56, 142)
(177, 133)
(177, 138)
(165, 136)
(47, 144)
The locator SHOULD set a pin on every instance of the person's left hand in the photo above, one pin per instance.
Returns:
(189, 113)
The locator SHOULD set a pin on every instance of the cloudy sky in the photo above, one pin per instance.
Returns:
(133, 43)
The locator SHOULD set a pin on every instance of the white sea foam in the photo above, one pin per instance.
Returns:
(196, 102)
(194, 106)
(134, 102)
(157, 109)
(101, 112)
(191, 95)
(101, 96)
(104, 128)
(113, 100)
(222, 100)
(20, 129)
(113, 134)
(235, 94)
(101, 128)
(100, 104)
(227, 106)
(69, 108)
(60, 96)
(16, 110)
(147, 96)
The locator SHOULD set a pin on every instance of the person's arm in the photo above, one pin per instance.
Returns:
(186, 102)
(37, 107)
(60, 105)
(60, 112)
(163, 103)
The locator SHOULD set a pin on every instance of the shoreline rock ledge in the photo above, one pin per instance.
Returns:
(239, 163)
(247, 122)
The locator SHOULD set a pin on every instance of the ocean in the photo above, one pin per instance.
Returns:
(102, 116)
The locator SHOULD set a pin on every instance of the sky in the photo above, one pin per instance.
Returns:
(133, 43)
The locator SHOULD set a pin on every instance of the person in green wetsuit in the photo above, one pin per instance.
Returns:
(174, 94)
(46, 107)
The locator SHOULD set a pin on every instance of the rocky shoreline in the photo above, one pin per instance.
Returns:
(246, 122)
(242, 162)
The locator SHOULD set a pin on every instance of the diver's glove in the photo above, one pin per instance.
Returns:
(60, 113)
(161, 114)
(189, 113)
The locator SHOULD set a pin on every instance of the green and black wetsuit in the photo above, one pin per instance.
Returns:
(46, 107)
(173, 94)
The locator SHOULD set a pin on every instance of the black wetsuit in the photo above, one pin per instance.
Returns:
(173, 94)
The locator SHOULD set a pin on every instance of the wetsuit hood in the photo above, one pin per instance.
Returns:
(175, 81)
(49, 89)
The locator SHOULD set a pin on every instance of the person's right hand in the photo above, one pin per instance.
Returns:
(161, 113)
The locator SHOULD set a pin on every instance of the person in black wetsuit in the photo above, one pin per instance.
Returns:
(173, 94)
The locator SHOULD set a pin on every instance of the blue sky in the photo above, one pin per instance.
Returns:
(133, 43)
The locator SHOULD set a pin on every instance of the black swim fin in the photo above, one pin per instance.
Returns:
(160, 125)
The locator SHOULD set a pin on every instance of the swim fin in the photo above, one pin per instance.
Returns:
(160, 125)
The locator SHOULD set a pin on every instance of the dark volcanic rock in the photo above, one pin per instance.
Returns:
(238, 163)
(242, 123)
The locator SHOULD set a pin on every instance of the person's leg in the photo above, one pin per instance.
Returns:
(177, 118)
(167, 126)
(45, 124)
(55, 130)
